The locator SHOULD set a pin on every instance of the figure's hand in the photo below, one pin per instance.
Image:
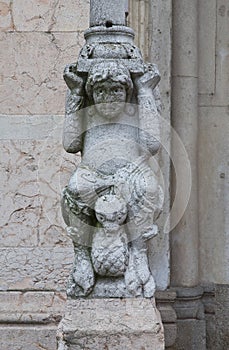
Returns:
(73, 80)
(149, 80)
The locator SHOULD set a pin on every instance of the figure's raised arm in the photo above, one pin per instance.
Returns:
(149, 124)
(73, 124)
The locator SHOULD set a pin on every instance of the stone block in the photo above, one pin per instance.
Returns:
(6, 22)
(210, 332)
(170, 334)
(32, 178)
(28, 338)
(31, 307)
(213, 194)
(190, 335)
(32, 77)
(111, 324)
(222, 317)
(46, 15)
(35, 268)
(220, 97)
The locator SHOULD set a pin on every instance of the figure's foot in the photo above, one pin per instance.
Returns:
(149, 287)
(133, 284)
(83, 273)
(138, 278)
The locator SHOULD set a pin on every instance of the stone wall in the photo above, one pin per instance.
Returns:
(38, 38)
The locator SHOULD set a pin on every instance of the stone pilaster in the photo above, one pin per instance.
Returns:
(191, 326)
(184, 238)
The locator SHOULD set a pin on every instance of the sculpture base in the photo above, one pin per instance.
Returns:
(111, 324)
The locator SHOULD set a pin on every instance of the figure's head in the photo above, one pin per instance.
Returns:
(110, 211)
(110, 86)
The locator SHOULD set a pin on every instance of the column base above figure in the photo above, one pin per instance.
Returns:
(112, 324)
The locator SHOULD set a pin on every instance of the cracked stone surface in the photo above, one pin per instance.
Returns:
(44, 15)
(29, 338)
(31, 307)
(32, 78)
(30, 201)
(35, 268)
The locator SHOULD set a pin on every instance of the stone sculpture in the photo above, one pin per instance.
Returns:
(113, 198)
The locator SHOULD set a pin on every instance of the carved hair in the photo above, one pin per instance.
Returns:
(112, 71)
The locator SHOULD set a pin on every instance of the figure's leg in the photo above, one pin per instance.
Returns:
(79, 228)
(138, 278)
(141, 228)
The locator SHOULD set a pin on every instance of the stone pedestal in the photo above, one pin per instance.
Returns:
(111, 324)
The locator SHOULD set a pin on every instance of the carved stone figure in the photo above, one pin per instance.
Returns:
(113, 198)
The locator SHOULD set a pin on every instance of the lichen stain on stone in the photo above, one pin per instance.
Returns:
(4, 9)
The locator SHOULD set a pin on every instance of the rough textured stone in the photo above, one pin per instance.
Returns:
(107, 14)
(31, 307)
(35, 268)
(117, 146)
(6, 20)
(165, 303)
(28, 337)
(117, 324)
(190, 335)
(50, 16)
(32, 79)
(222, 317)
(33, 173)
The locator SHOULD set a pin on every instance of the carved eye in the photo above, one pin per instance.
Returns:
(101, 218)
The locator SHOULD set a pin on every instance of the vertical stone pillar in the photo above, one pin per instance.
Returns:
(184, 238)
(108, 13)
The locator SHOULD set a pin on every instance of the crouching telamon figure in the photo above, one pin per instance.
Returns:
(113, 197)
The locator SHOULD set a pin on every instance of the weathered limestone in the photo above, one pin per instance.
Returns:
(213, 168)
(185, 236)
(31, 307)
(28, 337)
(103, 13)
(42, 86)
(25, 230)
(165, 304)
(160, 41)
(101, 205)
(40, 268)
(111, 324)
(24, 222)
(113, 198)
(207, 46)
(184, 239)
(218, 41)
(43, 15)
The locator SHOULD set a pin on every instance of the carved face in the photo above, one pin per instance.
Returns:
(111, 212)
(109, 98)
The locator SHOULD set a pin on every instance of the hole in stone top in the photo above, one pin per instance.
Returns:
(108, 24)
